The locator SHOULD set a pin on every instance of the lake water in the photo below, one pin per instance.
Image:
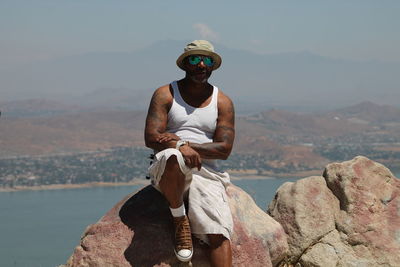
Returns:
(41, 228)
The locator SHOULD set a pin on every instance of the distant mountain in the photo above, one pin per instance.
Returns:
(36, 107)
(369, 112)
(116, 98)
(302, 80)
(303, 127)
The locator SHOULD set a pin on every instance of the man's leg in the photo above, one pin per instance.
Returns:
(220, 251)
(172, 185)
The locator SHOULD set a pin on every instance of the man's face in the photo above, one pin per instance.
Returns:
(198, 68)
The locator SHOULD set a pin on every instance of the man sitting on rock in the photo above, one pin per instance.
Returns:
(190, 123)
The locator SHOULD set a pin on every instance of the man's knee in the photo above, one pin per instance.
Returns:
(172, 165)
(217, 240)
(172, 161)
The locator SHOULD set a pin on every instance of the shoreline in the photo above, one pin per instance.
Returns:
(71, 186)
(253, 174)
(235, 176)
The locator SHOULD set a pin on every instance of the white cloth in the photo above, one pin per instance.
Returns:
(209, 211)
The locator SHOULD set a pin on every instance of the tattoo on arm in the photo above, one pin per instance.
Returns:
(156, 120)
(220, 148)
(227, 134)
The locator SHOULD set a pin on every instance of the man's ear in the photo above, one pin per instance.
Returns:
(186, 65)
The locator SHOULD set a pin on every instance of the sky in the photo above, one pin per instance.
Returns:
(47, 29)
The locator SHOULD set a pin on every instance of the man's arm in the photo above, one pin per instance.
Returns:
(224, 135)
(156, 121)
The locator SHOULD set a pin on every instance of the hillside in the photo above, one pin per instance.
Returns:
(77, 132)
(369, 113)
(278, 139)
(36, 107)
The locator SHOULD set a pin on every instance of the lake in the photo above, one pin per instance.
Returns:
(41, 228)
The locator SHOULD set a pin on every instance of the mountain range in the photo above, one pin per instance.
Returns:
(126, 80)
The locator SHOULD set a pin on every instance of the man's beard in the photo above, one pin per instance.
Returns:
(199, 76)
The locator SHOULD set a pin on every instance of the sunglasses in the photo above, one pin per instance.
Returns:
(196, 59)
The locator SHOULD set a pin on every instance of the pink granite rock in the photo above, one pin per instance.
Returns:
(351, 220)
(138, 232)
(258, 240)
(306, 210)
(369, 215)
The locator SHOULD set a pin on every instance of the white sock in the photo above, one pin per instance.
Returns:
(178, 212)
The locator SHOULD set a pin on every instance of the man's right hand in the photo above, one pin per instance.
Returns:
(192, 158)
(167, 137)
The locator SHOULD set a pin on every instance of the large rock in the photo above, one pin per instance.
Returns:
(138, 232)
(348, 217)
(306, 210)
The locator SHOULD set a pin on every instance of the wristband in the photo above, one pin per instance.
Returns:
(180, 143)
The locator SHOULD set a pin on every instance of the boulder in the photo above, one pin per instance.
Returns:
(306, 210)
(138, 232)
(348, 217)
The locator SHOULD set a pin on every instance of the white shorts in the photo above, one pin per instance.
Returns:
(209, 211)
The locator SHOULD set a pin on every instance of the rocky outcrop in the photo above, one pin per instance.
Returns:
(348, 217)
(138, 232)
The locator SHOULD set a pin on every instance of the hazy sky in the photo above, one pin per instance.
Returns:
(44, 29)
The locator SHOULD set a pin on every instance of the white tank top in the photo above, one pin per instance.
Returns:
(192, 124)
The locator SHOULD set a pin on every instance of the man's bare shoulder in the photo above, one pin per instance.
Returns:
(164, 90)
(223, 100)
(163, 95)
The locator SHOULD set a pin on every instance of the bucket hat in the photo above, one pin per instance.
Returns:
(199, 47)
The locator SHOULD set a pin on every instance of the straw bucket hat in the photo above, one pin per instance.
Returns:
(199, 47)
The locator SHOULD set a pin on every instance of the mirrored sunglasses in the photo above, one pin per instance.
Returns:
(196, 59)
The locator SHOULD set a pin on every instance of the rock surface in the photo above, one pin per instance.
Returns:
(348, 217)
(138, 232)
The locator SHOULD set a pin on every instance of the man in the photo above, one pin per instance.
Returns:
(190, 124)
